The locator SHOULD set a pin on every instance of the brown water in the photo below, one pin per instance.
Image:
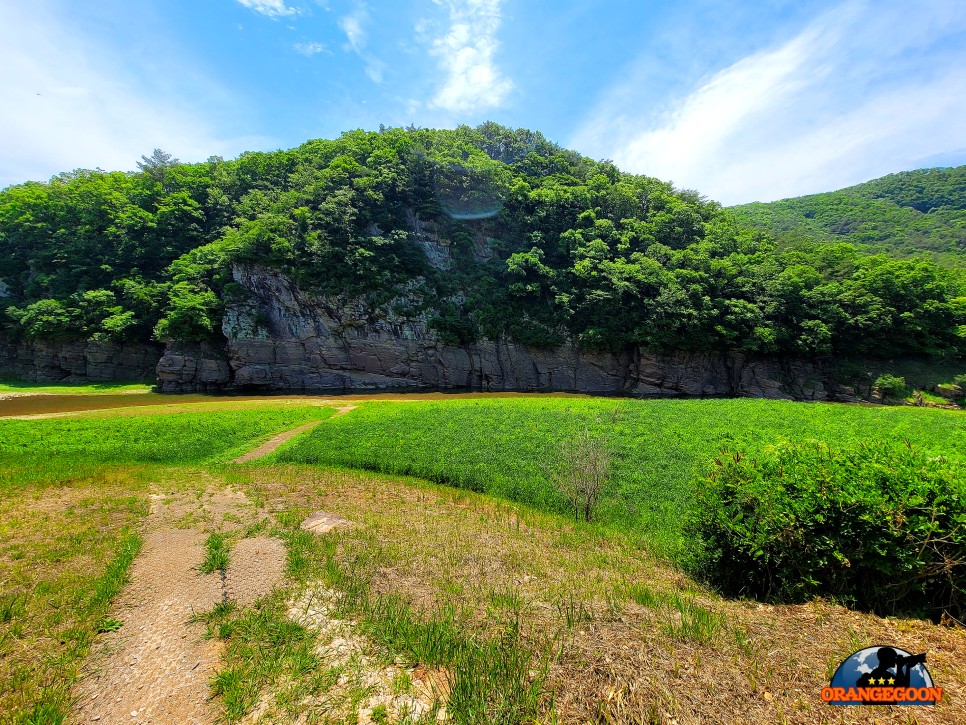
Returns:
(44, 404)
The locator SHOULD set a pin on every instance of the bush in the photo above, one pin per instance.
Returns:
(192, 314)
(582, 472)
(45, 319)
(891, 385)
(879, 526)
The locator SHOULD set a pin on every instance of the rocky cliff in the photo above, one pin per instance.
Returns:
(47, 361)
(280, 338)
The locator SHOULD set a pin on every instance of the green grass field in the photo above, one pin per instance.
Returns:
(22, 386)
(508, 447)
(179, 438)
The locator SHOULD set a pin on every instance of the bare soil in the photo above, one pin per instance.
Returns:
(256, 567)
(157, 666)
(340, 646)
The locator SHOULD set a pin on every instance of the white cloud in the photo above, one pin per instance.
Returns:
(68, 104)
(270, 8)
(310, 49)
(848, 99)
(473, 82)
(353, 25)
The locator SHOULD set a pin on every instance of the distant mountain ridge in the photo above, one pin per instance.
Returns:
(910, 212)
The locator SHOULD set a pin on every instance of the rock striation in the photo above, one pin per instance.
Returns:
(281, 339)
(51, 361)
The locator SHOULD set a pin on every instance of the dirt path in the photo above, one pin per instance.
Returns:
(157, 667)
(270, 446)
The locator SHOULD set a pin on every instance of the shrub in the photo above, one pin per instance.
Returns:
(880, 526)
(891, 385)
(191, 315)
(45, 319)
(950, 392)
(582, 472)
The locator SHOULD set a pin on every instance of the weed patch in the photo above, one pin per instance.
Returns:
(264, 651)
(494, 677)
(216, 554)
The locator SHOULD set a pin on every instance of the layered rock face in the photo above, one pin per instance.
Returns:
(282, 339)
(46, 361)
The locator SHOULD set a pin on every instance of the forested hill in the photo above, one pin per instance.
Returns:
(485, 233)
(907, 213)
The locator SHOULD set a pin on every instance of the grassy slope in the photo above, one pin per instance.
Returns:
(70, 502)
(507, 447)
(419, 548)
(540, 620)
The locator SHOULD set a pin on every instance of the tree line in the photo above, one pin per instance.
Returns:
(542, 245)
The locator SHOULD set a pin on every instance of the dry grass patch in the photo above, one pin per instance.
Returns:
(67, 536)
(628, 638)
(64, 553)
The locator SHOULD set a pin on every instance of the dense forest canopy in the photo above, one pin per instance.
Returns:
(912, 212)
(543, 246)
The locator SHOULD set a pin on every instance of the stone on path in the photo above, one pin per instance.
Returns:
(322, 523)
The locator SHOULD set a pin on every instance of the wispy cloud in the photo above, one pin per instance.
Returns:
(466, 52)
(354, 27)
(849, 98)
(270, 8)
(73, 104)
(310, 49)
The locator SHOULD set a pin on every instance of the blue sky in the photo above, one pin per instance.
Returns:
(742, 101)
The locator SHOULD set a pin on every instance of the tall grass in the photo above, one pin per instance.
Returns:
(217, 552)
(178, 438)
(509, 447)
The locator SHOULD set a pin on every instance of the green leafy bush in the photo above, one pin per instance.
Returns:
(891, 385)
(880, 526)
(192, 314)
